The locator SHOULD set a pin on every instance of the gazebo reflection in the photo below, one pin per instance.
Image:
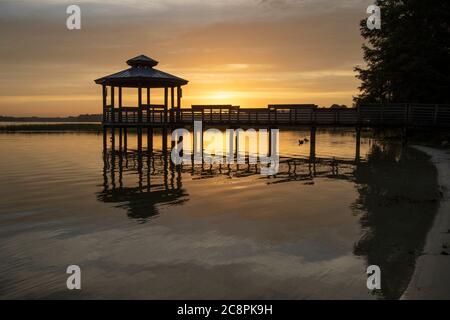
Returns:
(140, 182)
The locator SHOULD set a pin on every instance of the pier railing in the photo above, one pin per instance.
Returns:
(369, 115)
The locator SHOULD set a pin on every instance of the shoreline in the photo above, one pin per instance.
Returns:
(431, 279)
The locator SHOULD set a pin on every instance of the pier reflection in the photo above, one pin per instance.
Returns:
(141, 180)
(395, 203)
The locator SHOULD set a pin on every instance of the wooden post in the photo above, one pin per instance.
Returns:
(166, 98)
(202, 146)
(148, 105)
(269, 148)
(358, 143)
(120, 104)
(172, 104)
(139, 104)
(104, 93)
(312, 150)
(179, 93)
(112, 105)
(237, 147)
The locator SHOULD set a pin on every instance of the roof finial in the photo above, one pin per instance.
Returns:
(142, 61)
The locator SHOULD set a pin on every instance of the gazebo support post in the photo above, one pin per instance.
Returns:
(120, 117)
(120, 105)
(139, 128)
(139, 104)
(148, 105)
(178, 103)
(104, 93)
(112, 105)
(172, 104)
(166, 97)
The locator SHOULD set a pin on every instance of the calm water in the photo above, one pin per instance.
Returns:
(142, 228)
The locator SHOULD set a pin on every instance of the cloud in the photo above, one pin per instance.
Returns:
(260, 45)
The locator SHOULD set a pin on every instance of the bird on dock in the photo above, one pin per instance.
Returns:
(306, 140)
(300, 142)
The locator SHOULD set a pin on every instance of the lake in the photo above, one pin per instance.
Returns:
(140, 227)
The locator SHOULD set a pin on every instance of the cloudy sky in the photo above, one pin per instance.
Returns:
(243, 52)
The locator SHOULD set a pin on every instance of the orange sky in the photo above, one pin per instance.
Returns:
(242, 52)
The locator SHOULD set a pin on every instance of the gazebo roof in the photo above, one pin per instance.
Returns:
(142, 74)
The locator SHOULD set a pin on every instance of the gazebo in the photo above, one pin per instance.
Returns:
(143, 76)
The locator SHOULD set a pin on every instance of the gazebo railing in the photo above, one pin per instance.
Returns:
(148, 114)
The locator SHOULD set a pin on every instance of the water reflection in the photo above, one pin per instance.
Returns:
(399, 197)
(156, 180)
(142, 228)
(397, 187)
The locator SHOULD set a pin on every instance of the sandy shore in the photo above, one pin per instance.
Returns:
(431, 278)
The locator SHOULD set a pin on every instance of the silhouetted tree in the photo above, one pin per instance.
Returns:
(408, 60)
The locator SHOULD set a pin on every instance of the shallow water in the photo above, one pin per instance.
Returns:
(142, 228)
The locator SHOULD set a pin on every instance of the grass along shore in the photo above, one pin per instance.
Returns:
(51, 127)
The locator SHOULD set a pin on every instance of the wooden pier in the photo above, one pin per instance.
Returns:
(385, 115)
(145, 79)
